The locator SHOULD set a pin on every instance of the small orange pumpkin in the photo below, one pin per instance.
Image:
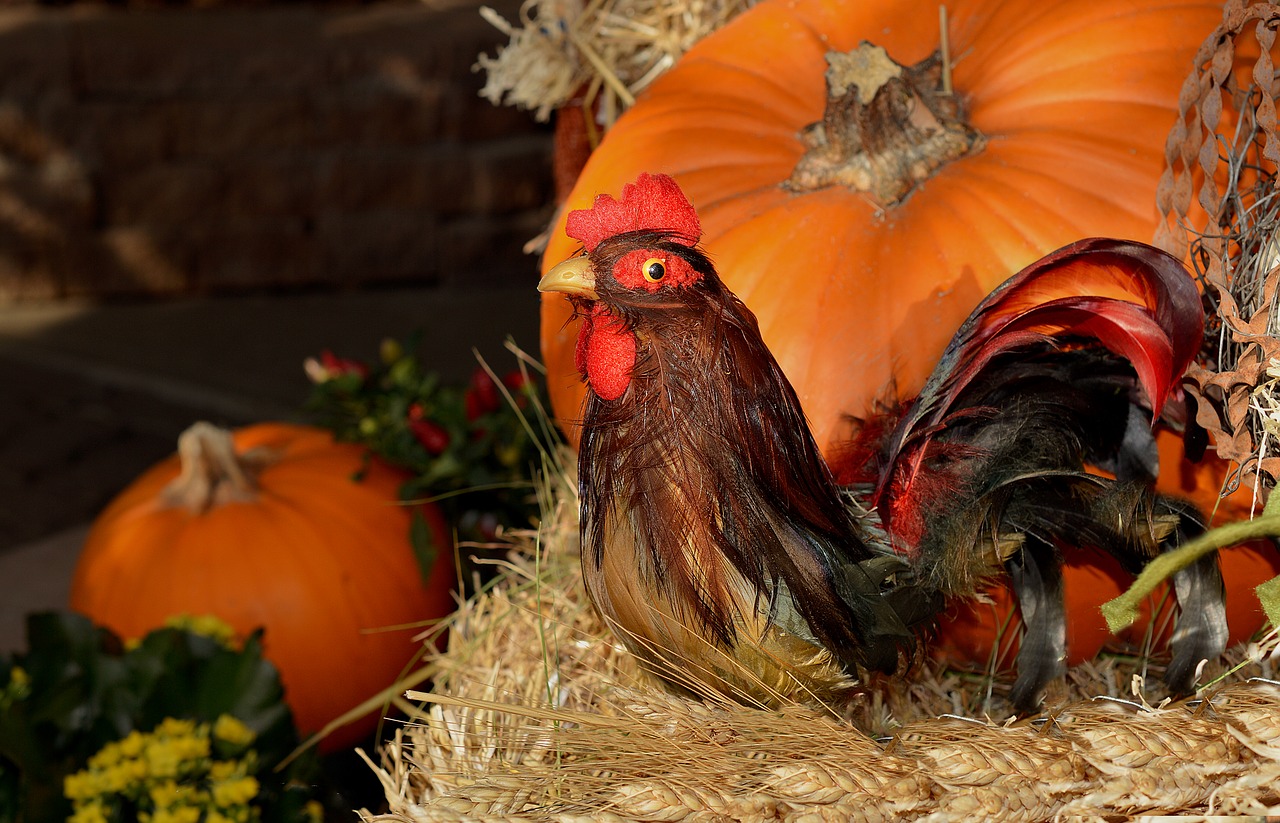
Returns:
(270, 527)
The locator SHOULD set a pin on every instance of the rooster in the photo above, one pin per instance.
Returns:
(732, 560)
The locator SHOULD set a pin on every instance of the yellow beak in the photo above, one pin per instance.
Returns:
(574, 277)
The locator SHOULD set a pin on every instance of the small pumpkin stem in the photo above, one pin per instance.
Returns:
(886, 129)
(212, 473)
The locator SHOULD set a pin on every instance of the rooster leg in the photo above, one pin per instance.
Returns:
(1036, 576)
(1201, 630)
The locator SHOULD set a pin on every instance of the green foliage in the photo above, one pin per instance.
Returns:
(468, 447)
(78, 690)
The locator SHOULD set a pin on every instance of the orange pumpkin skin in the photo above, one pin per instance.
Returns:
(1075, 101)
(320, 560)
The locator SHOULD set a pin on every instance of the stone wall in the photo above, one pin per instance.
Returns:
(201, 151)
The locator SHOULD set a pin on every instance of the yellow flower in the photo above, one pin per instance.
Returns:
(175, 746)
(118, 777)
(19, 681)
(109, 755)
(162, 760)
(170, 776)
(225, 769)
(175, 727)
(315, 811)
(132, 744)
(168, 794)
(204, 624)
(237, 792)
(193, 748)
(89, 813)
(231, 730)
(180, 814)
(163, 794)
(79, 786)
(135, 770)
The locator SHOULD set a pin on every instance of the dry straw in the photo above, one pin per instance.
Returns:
(537, 714)
(599, 53)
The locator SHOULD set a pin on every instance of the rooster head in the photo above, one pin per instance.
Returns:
(641, 258)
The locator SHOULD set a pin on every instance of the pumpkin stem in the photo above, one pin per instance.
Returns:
(212, 472)
(886, 129)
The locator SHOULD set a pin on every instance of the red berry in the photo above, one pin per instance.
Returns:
(433, 437)
(482, 395)
(520, 385)
(336, 365)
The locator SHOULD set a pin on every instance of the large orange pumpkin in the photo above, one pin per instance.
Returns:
(857, 298)
(270, 527)
(1057, 117)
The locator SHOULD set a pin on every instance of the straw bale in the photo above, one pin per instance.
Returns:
(538, 714)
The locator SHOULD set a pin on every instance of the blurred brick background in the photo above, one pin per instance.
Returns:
(205, 151)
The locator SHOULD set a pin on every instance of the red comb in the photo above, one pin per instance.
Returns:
(653, 203)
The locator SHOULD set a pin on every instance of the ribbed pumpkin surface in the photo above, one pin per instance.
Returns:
(319, 559)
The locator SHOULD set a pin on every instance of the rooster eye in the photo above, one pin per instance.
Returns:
(654, 270)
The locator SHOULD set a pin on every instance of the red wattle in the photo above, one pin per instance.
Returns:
(606, 354)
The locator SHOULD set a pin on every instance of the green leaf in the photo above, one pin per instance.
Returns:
(1269, 595)
(74, 706)
(424, 545)
(10, 792)
(200, 678)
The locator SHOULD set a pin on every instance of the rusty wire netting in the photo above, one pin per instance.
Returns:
(1221, 211)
